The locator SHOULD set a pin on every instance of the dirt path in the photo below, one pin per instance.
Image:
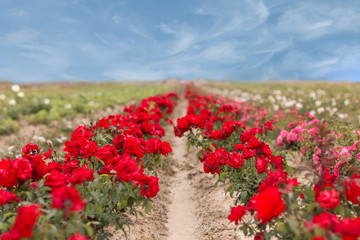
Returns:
(188, 206)
(182, 219)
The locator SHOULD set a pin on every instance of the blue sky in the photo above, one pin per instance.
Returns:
(42, 40)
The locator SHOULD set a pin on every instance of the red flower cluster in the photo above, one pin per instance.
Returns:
(114, 146)
(6, 197)
(348, 228)
(237, 213)
(268, 204)
(24, 222)
(219, 119)
(31, 166)
(66, 198)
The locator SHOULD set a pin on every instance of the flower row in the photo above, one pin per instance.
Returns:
(105, 171)
(235, 140)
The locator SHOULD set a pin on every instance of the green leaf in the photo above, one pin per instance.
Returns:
(310, 194)
(243, 196)
(148, 206)
(281, 227)
(89, 230)
(293, 224)
(222, 177)
(98, 209)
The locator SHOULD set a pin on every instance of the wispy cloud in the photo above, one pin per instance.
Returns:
(234, 16)
(232, 39)
(311, 20)
(22, 36)
(133, 24)
(17, 12)
(185, 36)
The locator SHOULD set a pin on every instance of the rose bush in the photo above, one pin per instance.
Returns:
(235, 140)
(105, 170)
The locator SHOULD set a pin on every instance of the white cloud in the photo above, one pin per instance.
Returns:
(18, 13)
(132, 23)
(185, 36)
(47, 55)
(312, 20)
(22, 36)
(233, 17)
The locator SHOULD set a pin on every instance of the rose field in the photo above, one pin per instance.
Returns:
(180, 160)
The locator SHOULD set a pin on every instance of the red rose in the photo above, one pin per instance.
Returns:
(236, 160)
(325, 220)
(146, 127)
(352, 191)
(268, 204)
(165, 148)
(132, 146)
(106, 152)
(22, 168)
(236, 214)
(77, 236)
(261, 165)
(6, 197)
(30, 149)
(56, 179)
(79, 175)
(328, 199)
(150, 187)
(153, 145)
(348, 228)
(67, 198)
(183, 123)
(39, 166)
(7, 174)
(24, 222)
(127, 169)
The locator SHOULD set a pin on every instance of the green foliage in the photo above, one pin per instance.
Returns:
(8, 126)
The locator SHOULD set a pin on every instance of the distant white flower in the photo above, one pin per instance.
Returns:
(39, 138)
(61, 139)
(298, 106)
(312, 112)
(321, 92)
(67, 106)
(46, 101)
(333, 101)
(10, 149)
(320, 110)
(342, 115)
(2, 97)
(271, 98)
(289, 104)
(15, 88)
(318, 103)
(21, 94)
(313, 95)
(346, 102)
(276, 107)
(277, 92)
(49, 142)
(12, 102)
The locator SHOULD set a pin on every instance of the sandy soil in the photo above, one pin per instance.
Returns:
(188, 206)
